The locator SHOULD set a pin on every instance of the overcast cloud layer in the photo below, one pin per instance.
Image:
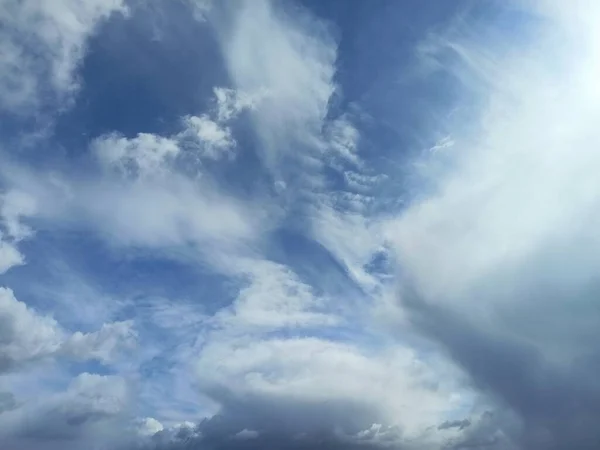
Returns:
(299, 225)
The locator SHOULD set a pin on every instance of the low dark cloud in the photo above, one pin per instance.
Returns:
(460, 424)
(557, 406)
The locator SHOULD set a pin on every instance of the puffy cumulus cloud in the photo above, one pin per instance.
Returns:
(499, 264)
(149, 426)
(161, 180)
(103, 345)
(215, 141)
(274, 365)
(307, 385)
(144, 155)
(180, 435)
(87, 411)
(286, 367)
(203, 137)
(28, 337)
(42, 44)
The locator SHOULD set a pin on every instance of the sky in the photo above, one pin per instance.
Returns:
(299, 224)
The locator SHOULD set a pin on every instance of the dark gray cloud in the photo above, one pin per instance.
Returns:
(7, 401)
(91, 409)
(218, 433)
(533, 357)
(460, 424)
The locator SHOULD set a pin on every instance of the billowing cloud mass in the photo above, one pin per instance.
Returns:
(299, 225)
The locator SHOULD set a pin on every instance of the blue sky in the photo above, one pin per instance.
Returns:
(299, 224)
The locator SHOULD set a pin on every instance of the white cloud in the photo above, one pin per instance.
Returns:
(215, 140)
(170, 213)
(184, 433)
(83, 410)
(149, 155)
(42, 45)
(156, 205)
(310, 383)
(342, 137)
(274, 298)
(231, 102)
(104, 345)
(499, 261)
(14, 206)
(28, 337)
(144, 155)
(149, 426)
(515, 190)
(165, 185)
(444, 144)
(276, 354)
(291, 60)
(10, 256)
(351, 238)
(246, 434)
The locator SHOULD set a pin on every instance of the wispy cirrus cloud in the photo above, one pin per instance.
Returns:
(43, 44)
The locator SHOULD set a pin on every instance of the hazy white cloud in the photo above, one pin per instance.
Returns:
(306, 384)
(342, 138)
(144, 155)
(274, 298)
(513, 191)
(499, 262)
(9, 256)
(87, 409)
(205, 136)
(148, 202)
(289, 58)
(149, 426)
(215, 141)
(26, 336)
(104, 345)
(42, 45)
(29, 337)
(352, 239)
(247, 434)
(169, 213)
(14, 206)
(231, 102)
